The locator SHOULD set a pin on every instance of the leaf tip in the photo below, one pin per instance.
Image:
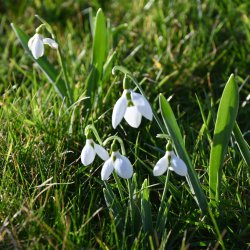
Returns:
(12, 26)
(161, 96)
(231, 77)
(99, 12)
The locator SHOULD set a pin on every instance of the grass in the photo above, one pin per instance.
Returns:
(48, 199)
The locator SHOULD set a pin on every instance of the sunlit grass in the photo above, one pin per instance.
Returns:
(48, 199)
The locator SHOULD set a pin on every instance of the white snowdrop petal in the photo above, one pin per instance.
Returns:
(52, 43)
(142, 105)
(133, 117)
(161, 166)
(30, 42)
(123, 167)
(88, 153)
(101, 152)
(107, 169)
(37, 47)
(119, 110)
(179, 166)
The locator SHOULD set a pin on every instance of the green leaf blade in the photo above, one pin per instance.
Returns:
(99, 55)
(226, 117)
(174, 131)
(100, 42)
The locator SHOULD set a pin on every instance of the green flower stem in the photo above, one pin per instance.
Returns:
(165, 188)
(46, 25)
(131, 204)
(38, 29)
(115, 137)
(163, 198)
(93, 129)
(64, 69)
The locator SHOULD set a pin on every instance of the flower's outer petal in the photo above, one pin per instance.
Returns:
(179, 166)
(101, 152)
(36, 46)
(52, 43)
(123, 166)
(107, 169)
(88, 153)
(119, 110)
(30, 42)
(133, 117)
(161, 166)
(142, 105)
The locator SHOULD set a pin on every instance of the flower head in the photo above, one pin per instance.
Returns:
(132, 106)
(171, 161)
(119, 163)
(36, 45)
(90, 150)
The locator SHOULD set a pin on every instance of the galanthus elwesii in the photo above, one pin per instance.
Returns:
(172, 162)
(132, 106)
(90, 150)
(119, 163)
(36, 45)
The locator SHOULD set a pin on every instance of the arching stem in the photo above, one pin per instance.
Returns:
(93, 129)
(116, 138)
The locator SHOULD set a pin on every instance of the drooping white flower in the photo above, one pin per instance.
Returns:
(132, 106)
(171, 161)
(90, 150)
(36, 45)
(120, 164)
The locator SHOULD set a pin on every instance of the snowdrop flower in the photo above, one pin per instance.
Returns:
(119, 163)
(132, 106)
(36, 45)
(90, 150)
(171, 161)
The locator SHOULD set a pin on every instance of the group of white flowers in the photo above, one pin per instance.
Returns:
(131, 106)
(122, 165)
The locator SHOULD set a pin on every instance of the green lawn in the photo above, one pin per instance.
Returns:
(185, 50)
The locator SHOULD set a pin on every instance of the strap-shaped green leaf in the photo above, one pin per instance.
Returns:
(99, 55)
(174, 131)
(225, 122)
(48, 69)
(100, 42)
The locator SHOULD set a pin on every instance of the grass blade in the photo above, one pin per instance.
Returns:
(114, 206)
(242, 144)
(164, 208)
(225, 121)
(174, 132)
(146, 208)
(48, 69)
(107, 68)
